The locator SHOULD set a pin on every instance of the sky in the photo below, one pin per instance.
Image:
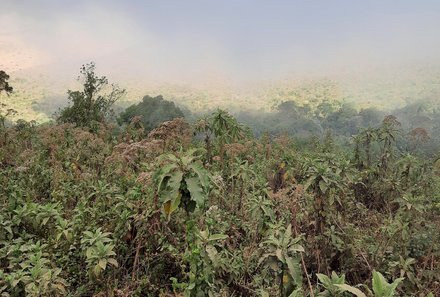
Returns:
(195, 40)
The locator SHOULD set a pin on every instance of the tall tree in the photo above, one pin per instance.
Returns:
(91, 105)
(4, 85)
(4, 111)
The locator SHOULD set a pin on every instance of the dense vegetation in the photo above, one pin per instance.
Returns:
(343, 120)
(152, 111)
(207, 209)
(90, 106)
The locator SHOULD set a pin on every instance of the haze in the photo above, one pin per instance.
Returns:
(192, 41)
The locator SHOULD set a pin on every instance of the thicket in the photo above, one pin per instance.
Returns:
(209, 210)
(151, 112)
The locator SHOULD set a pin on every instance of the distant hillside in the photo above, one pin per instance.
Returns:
(37, 96)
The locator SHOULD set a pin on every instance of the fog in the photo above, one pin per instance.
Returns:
(195, 41)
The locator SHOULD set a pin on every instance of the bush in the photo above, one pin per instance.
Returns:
(152, 111)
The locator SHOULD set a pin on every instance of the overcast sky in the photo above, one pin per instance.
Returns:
(195, 39)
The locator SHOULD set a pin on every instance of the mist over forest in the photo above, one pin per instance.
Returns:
(304, 108)
(220, 148)
(376, 55)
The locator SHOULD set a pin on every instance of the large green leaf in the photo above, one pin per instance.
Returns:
(294, 270)
(324, 279)
(351, 289)
(195, 188)
(323, 186)
(381, 287)
(170, 195)
(102, 263)
(393, 286)
(164, 174)
(113, 262)
(280, 255)
(201, 172)
(287, 236)
(171, 205)
(296, 248)
(170, 157)
(171, 187)
(379, 284)
(212, 254)
(190, 156)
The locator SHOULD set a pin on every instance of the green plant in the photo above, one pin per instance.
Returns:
(182, 181)
(280, 253)
(203, 259)
(225, 228)
(64, 230)
(330, 284)
(4, 84)
(98, 251)
(241, 176)
(30, 271)
(38, 217)
(90, 106)
(381, 287)
(335, 286)
(324, 181)
(366, 137)
(387, 135)
(262, 213)
(406, 269)
(223, 127)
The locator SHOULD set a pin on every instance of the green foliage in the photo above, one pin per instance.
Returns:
(4, 84)
(94, 214)
(182, 181)
(203, 259)
(30, 272)
(331, 284)
(99, 251)
(90, 106)
(335, 286)
(281, 256)
(223, 128)
(382, 288)
(152, 111)
(4, 110)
